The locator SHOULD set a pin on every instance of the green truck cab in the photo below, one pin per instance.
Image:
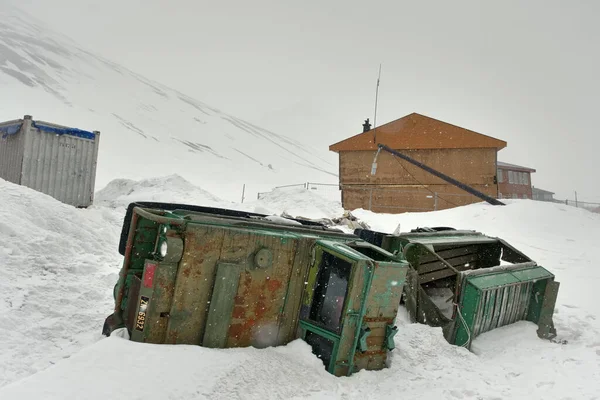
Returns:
(221, 278)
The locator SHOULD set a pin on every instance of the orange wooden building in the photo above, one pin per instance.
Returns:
(399, 186)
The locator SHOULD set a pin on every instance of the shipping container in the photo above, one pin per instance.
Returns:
(56, 160)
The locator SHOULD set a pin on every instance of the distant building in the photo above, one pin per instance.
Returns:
(514, 181)
(542, 195)
(399, 186)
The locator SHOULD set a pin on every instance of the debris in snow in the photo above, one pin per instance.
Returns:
(282, 220)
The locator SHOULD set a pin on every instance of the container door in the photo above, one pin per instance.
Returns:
(331, 308)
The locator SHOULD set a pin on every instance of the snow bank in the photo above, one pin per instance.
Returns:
(58, 265)
(561, 238)
(173, 188)
(56, 290)
(297, 202)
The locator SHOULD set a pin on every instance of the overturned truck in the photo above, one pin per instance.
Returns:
(468, 283)
(221, 278)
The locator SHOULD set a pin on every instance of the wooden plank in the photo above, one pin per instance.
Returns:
(458, 263)
(433, 276)
(448, 252)
(221, 305)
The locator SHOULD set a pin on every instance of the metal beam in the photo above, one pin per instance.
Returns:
(445, 177)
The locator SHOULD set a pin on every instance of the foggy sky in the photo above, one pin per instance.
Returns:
(521, 71)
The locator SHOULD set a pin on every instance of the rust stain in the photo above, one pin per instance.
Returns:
(370, 354)
(239, 301)
(378, 319)
(238, 311)
(274, 285)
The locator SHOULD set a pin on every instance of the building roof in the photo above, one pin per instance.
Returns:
(540, 191)
(416, 131)
(513, 167)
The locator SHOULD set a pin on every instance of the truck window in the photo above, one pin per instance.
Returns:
(330, 292)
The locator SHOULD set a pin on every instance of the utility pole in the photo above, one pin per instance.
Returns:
(243, 192)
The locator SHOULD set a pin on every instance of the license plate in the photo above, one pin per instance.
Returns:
(140, 321)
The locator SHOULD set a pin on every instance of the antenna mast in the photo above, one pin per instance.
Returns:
(376, 96)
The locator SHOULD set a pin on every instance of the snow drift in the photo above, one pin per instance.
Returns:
(58, 265)
(119, 193)
(57, 288)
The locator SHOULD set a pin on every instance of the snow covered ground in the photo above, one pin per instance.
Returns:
(58, 266)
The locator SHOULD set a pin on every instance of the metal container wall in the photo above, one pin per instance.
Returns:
(11, 151)
(52, 159)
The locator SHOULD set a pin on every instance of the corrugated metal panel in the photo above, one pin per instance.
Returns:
(60, 165)
(11, 153)
(502, 306)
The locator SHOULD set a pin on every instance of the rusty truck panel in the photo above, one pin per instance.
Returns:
(221, 278)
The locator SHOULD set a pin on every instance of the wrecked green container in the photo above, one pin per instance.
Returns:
(222, 278)
(457, 281)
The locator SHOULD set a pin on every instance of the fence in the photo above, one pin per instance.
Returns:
(583, 204)
(376, 200)
(384, 199)
(330, 191)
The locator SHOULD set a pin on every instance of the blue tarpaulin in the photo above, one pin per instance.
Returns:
(65, 131)
(10, 130)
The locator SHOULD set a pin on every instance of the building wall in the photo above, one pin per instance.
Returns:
(399, 199)
(514, 184)
(399, 186)
(542, 195)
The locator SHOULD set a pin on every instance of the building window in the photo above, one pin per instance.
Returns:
(500, 175)
(525, 196)
(511, 177)
(499, 195)
(515, 196)
(526, 175)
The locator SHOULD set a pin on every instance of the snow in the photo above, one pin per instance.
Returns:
(119, 193)
(57, 270)
(59, 266)
(297, 202)
(146, 129)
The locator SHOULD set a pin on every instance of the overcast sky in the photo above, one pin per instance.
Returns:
(522, 71)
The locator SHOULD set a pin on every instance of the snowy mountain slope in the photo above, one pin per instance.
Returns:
(147, 129)
(57, 288)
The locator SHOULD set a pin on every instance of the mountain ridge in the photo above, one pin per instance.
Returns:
(147, 128)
